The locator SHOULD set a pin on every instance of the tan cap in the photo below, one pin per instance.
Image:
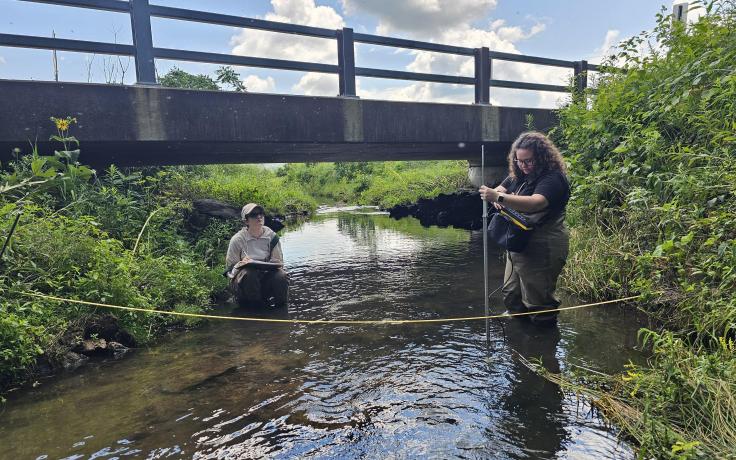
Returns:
(248, 209)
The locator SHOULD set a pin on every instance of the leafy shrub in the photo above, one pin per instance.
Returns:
(653, 212)
(76, 239)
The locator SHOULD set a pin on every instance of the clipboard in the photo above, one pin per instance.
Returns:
(259, 264)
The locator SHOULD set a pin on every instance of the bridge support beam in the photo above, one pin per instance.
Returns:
(493, 174)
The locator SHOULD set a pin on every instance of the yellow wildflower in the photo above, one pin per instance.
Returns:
(62, 124)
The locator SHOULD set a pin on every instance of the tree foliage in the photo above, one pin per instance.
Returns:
(225, 75)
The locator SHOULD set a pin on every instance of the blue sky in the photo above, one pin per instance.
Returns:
(568, 29)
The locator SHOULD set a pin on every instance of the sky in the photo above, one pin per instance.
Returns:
(563, 29)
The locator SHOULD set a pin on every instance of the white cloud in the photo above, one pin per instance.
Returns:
(420, 18)
(497, 24)
(317, 84)
(423, 91)
(451, 22)
(516, 33)
(250, 42)
(607, 47)
(441, 21)
(497, 37)
(256, 84)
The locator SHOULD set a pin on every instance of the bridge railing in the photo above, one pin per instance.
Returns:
(145, 53)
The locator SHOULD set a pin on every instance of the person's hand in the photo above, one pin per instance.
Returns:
(488, 194)
(244, 261)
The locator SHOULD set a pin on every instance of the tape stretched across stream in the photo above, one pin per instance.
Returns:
(322, 321)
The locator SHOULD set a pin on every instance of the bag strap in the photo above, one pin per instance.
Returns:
(272, 244)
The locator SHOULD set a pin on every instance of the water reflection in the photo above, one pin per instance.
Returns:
(249, 390)
(533, 404)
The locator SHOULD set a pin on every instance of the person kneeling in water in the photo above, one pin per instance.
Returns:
(255, 262)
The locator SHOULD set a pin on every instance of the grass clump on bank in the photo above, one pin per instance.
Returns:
(653, 158)
(384, 184)
(240, 184)
(297, 188)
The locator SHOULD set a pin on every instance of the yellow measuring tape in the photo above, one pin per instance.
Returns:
(321, 321)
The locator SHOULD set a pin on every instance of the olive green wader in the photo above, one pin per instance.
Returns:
(531, 275)
(254, 287)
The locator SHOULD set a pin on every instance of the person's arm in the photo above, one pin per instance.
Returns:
(533, 203)
(277, 254)
(233, 254)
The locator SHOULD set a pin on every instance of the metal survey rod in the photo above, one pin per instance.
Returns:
(485, 241)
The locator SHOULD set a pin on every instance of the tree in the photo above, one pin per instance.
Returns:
(229, 76)
(226, 75)
(177, 78)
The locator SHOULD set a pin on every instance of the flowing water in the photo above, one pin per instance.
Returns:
(233, 389)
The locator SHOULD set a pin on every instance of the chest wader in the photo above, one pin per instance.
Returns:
(530, 278)
(254, 287)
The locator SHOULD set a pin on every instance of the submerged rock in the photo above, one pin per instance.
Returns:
(461, 209)
(71, 360)
(118, 350)
(101, 348)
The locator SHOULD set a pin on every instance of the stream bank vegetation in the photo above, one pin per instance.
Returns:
(653, 165)
(124, 237)
(80, 236)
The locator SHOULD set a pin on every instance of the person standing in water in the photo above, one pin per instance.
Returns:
(253, 282)
(537, 186)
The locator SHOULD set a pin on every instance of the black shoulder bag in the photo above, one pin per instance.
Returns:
(510, 229)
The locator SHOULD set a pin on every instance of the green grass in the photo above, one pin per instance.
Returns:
(240, 184)
(384, 184)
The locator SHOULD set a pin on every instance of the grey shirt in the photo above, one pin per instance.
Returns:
(243, 244)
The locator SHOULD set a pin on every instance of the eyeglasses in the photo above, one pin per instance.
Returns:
(528, 162)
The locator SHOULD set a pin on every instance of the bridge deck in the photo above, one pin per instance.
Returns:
(151, 125)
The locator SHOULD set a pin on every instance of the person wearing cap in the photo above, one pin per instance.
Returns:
(252, 281)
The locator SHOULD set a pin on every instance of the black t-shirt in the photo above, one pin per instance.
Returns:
(552, 185)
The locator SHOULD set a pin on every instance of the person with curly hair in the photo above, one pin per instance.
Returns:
(536, 186)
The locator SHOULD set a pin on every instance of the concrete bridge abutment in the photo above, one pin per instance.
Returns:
(491, 176)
